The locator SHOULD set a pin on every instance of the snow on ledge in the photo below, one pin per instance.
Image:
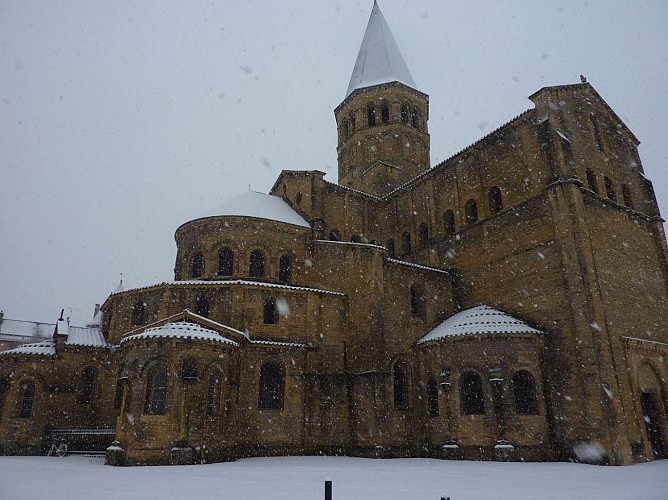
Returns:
(233, 282)
(416, 266)
(181, 330)
(46, 348)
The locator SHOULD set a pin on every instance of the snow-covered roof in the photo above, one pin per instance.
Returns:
(379, 59)
(416, 266)
(26, 328)
(261, 206)
(86, 336)
(76, 335)
(478, 320)
(182, 330)
(46, 348)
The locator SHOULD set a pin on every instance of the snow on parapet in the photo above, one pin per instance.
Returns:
(379, 59)
(46, 348)
(478, 320)
(260, 206)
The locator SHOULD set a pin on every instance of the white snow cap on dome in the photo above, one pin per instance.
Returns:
(379, 59)
(182, 330)
(261, 206)
(478, 320)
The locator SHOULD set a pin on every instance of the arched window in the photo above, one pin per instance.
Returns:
(390, 248)
(371, 114)
(334, 235)
(591, 180)
(197, 265)
(272, 382)
(351, 118)
(471, 212)
(610, 189)
(213, 393)
(406, 242)
(418, 300)
(26, 399)
(270, 312)
(156, 393)
(417, 118)
(405, 113)
(384, 112)
(400, 378)
(495, 200)
(226, 262)
(86, 386)
(449, 222)
(202, 307)
(138, 313)
(432, 397)
(626, 194)
(423, 233)
(345, 126)
(524, 391)
(285, 268)
(470, 391)
(257, 264)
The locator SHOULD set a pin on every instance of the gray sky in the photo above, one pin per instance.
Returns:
(122, 120)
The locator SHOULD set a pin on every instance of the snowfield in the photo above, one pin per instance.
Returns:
(296, 478)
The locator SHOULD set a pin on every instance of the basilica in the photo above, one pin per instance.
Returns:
(509, 303)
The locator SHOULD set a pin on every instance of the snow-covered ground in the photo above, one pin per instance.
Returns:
(295, 478)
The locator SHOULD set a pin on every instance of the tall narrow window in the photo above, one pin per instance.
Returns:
(400, 381)
(418, 300)
(384, 112)
(138, 309)
(597, 133)
(432, 397)
(156, 393)
(423, 233)
(495, 200)
(449, 222)
(371, 114)
(609, 189)
(345, 126)
(27, 399)
(566, 148)
(626, 194)
(405, 113)
(257, 264)
(226, 262)
(471, 212)
(471, 395)
(352, 122)
(86, 386)
(390, 248)
(524, 392)
(197, 265)
(591, 180)
(270, 312)
(213, 393)
(271, 385)
(334, 235)
(417, 118)
(202, 307)
(285, 268)
(406, 242)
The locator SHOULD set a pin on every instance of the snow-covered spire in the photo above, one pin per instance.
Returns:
(379, 60)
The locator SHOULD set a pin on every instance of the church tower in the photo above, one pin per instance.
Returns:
(382, 123)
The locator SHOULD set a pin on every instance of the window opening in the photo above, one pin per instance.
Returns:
(609, 189)
(432, 397)
(285, 268)
(591, 180)
(423, 233)
(495, 200)
(470, 390)
(271, 386)
(524, 391)
(471, 212)
(405, 112)
(202, 307)
(449, 222)
(371, 114)
(138, 309)
(270, 312)
(28, 391)
(385, 112)
(86, 387)
(257, 264)
(226, 262)
(400, 378)
(197, 265)
(156, 393)
(417, 118)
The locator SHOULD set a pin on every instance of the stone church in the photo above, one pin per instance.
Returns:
(509, 303)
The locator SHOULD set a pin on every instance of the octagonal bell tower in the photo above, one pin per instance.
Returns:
(383, 139)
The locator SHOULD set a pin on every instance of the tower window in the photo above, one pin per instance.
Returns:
(138, 309)
(626, 194)
(406, 242)
(86, 386)
(470, 391)
(156, 393)
(226, 262)
(27, 399)
(371, 114)
(449, 222)
(432, 397)
(405, 113)
(524, 392)
(423, 233)
(202, 307)
(591, 180)
(610, 189)
(384, 112)
(285, 268)
(347, 129)
(597, 133)
(270, 312)
(351, 118)
(417, 118)
(471, 212)
(390, 248)
(272, 382)
(495, 200)
(257, 264)
(197, 265)
(400, 382)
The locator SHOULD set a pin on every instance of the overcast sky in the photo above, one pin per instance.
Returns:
(121, 120)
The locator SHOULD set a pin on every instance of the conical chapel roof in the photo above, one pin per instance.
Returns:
(379, 60)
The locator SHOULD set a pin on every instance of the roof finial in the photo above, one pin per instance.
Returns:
(583, 79)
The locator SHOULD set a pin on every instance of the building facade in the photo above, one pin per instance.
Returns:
(509, 303)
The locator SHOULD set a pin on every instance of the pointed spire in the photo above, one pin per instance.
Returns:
(379, 60)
